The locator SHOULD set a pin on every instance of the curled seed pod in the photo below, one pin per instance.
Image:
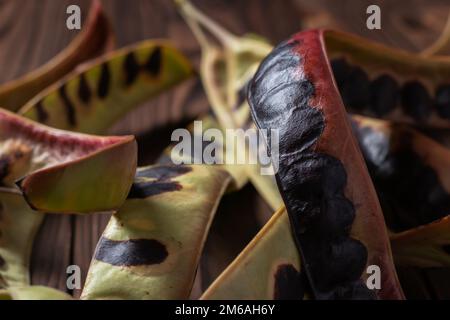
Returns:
(336, 219)
(95, 38)
(100, 92)
(152, 245)
(62, 172)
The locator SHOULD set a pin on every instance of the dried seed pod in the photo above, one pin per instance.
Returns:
(100, 92)
(268, 268)
(336, 219)
(151, 246)
(388, 83)
(66, 170)
(95, 39)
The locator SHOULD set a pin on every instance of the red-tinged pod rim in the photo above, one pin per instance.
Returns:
(69, 172)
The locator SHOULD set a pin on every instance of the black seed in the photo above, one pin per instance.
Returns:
(42, 115)
(84, 92)
(154, 62)
(416, 101)
(134, 252)
(104, 81)
(355, 89)
(289, 283)
(384, 95)
(70, 109)
(338, 215)
(443, 101)
(343, 262)
(410, 191)
(131, 68)
(341, 70)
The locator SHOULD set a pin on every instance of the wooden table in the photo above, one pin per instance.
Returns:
(31, 32)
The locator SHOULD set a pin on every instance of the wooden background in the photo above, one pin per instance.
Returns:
(33, 31)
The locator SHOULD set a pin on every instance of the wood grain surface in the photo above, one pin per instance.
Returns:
(33, 31)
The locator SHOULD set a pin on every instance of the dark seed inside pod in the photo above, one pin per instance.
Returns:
(416, 102)
(289, 283)
(341, 70)
(384, 95)
(410, 191)
(342, 261)
(355, 89)
(443, 101)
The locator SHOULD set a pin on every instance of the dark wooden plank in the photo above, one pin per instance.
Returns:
(32, 32)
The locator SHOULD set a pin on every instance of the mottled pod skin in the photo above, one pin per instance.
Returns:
(152, 245)
(335, 215)
(101, 91)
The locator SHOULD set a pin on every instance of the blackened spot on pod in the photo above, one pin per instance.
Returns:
(131, 68)
(410, 191)
(104, 81)
(162, 173)
(154, 62)
(129, 253)
(42, 115)
(146, 189)
(289, 283)
(70, 109)
(312, 184)
(443, 101)
(384, 95)
(416, 102)
(355, 89)
(84, 92)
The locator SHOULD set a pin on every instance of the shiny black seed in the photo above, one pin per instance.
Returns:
(384, 95)
(443, 101)
(355, 89)
(416, 102)
(341, 70)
